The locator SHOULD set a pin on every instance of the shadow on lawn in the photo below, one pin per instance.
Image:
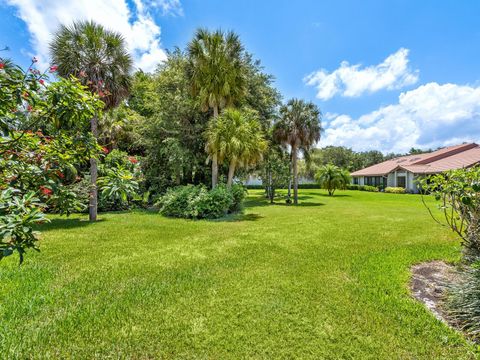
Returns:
(66, 223)
(280, 201)
(238, 218)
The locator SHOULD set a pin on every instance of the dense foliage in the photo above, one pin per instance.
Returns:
(197, 202)
(44, 143)
(458, 196)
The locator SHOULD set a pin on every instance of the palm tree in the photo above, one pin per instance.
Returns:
(299, 128)
(331, 177)
(98, 57)
(216, 71)
(235, 136)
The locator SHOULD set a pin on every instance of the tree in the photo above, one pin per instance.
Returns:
(331, 178)
(275, 172)
(98, 57)
(235, 136)
(217, 74)
(43, 142)
(299, 128)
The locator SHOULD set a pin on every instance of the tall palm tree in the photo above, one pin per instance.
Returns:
(216, 71)
(98, 57)
(235, 136)
(299, 128)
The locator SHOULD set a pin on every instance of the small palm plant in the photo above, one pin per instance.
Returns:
(331, 178)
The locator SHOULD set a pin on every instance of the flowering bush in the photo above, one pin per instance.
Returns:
(43, 132)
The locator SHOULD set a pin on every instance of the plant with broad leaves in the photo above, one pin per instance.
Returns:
(18, 215)
(118, 185)
(457, 193)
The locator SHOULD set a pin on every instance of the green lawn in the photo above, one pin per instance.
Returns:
(327, 279)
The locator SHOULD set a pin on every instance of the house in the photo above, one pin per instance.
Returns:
(403, 171)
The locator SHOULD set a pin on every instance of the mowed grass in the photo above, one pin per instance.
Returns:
(325, 280)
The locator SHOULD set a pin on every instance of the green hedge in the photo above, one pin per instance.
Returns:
(395, 190)
(362, 188)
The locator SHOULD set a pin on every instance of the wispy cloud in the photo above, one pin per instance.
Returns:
(355, 80)
(135, 23)
(429, 116)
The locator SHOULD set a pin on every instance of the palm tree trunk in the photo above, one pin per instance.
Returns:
(93, 194)
(290, 170)
(295, 176)
(231, 172)
(214, 157)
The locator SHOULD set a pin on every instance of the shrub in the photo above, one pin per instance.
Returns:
(238, 193)
(362, 187)
(394, 190)
(196, 202)
(463, 301)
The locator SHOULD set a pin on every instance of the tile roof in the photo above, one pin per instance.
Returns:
(448, 158)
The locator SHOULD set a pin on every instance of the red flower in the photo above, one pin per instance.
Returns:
(101, 94)
(60, 174)
(132, 159)
(105, 150)
(2, 65)
(29, 108)
(46, 191)
(41, 81)
(53, 68)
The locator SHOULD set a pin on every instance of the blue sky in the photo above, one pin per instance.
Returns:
(387, 75)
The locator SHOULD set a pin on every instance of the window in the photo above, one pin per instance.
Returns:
(355, 180)
(378, 181)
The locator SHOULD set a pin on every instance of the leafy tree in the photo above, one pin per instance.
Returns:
(98, 57)
(235, 136)
(275, 172)
(331, 178)
(217, 74)
(299, 128)
(36, 166)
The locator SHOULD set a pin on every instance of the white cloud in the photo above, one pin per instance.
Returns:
(136, 24)
(429, 116)
(355, 80)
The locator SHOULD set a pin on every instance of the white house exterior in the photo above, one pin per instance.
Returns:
(405, 170)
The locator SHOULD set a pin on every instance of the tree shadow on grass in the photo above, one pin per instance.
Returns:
(66, 223)
(238, 218)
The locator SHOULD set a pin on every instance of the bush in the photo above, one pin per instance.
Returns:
(196, 202)
(463, 301)
(362, 187)
(395, 190)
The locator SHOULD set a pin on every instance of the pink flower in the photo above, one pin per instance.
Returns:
(41, 81)
(132, 159)
(105, 150)
(29, 108)
(34, 59)
(82, 74)
(53, 68)
(46, 191)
